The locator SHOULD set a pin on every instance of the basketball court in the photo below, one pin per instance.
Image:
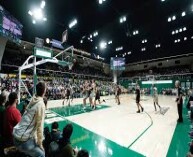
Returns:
(113, 129)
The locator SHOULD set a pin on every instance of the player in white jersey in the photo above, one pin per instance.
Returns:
(155, 97)
(92, 93)
(85, 92)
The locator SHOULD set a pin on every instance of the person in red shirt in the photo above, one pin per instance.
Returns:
(12, 117)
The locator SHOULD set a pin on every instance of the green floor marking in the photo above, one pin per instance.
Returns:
(97, 145)
(76, 109)
(138, 137)
(179, 144)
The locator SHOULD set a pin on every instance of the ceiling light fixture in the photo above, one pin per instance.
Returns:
(183, 13)
(103, 45)
(73, 23)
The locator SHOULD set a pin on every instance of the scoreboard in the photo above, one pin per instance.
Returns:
(10, 27)
(117, 63)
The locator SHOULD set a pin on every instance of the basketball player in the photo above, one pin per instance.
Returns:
(72, 92)
(138, 100)
(179, 101)
(97, 96)
(67, 96)
(155, 97)
(117, 93)
(85, 93)
(92, 94)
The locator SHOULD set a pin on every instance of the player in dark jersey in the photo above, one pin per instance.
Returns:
(179, 101)
(67, 96)
(72, 93)
(138, 100)
(117, 94)
(97, 96)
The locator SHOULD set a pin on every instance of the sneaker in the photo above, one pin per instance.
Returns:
(104, 100)
(84, 108)
(138, 111)
(142, 109)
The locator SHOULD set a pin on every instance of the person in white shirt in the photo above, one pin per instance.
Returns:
(155, 97)
(28, 133)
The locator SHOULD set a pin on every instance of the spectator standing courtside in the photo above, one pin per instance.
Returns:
(28, 134)
(12, 117)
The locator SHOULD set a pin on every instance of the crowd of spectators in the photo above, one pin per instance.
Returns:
(180, 72)
(168, 91)
(56, 86)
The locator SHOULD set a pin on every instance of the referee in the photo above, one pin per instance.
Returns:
(179, 101)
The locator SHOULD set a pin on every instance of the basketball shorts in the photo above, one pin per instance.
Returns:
(92, 95)
(97, 97)
(155, 99)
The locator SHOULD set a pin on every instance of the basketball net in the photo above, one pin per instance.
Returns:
(64, 36)
(70, 66)
(151, 77)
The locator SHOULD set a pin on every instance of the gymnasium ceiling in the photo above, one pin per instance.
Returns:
(148, 17)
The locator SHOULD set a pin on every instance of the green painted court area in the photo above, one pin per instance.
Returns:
(82, 138)
(179, 144)
(76, 109)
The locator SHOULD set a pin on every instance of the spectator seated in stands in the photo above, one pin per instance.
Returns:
(83, 153)
(47, 140)
(55, 133)
(51, 140)
(190, 153)
(2, 110)
(11, 118)
(64, 143)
